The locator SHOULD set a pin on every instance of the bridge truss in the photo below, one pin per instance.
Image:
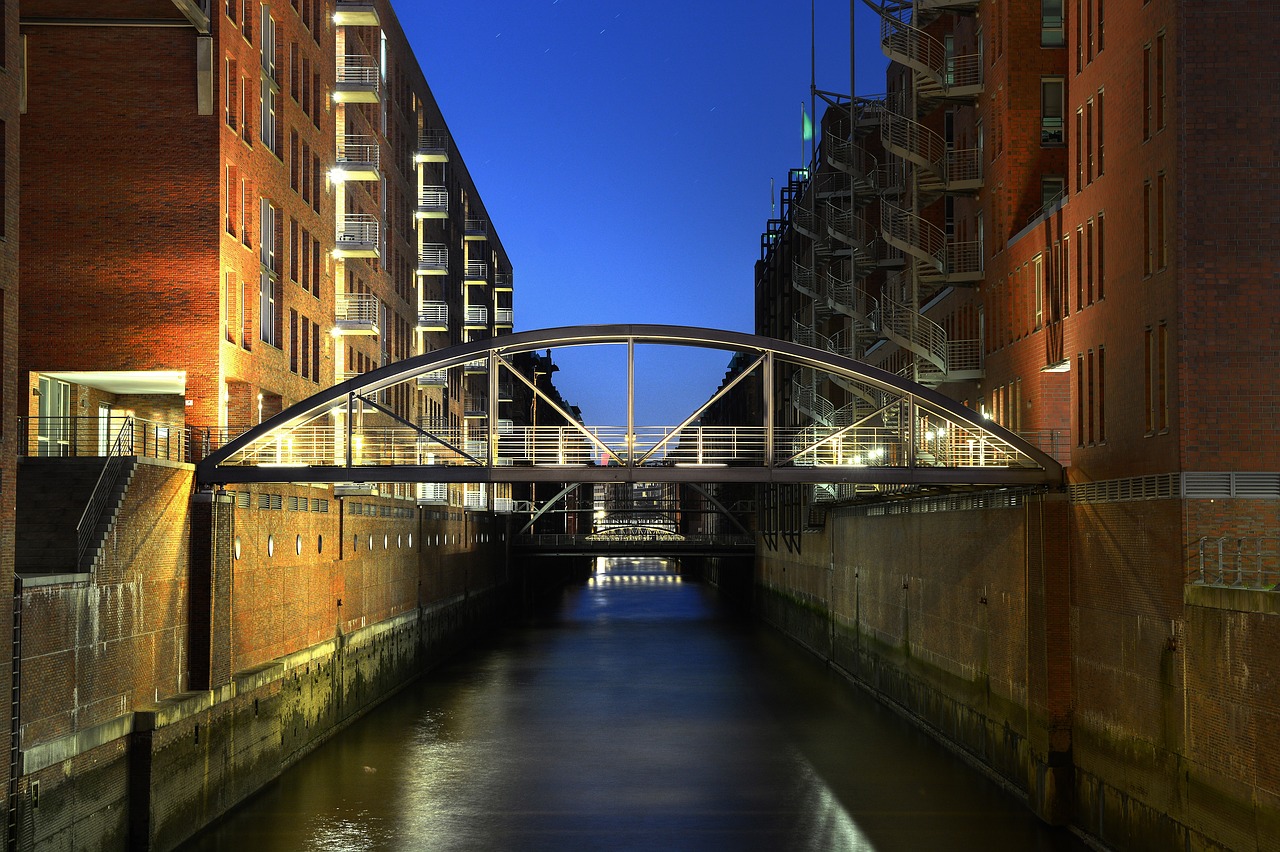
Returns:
(892, 433)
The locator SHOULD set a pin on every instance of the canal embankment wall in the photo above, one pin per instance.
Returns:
(1058, 646)
(217, 641)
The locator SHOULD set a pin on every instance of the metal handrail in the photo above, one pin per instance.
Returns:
(504, 316)
(107, 479)
(433, 256)
(1251, 562)
(477, 269)
(434, 199)
(359, 149)
(356, 307)
(358, 70)
(477, 315)
(433, 140)
(358, 228)
(433, 313)
(476, 226)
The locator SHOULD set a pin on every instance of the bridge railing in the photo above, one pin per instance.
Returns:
(932, 444)
(587, 542)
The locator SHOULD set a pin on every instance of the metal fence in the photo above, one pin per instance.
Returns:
(1249, 562)
(91, 436)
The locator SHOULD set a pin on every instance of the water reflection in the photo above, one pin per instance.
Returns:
(637, 715)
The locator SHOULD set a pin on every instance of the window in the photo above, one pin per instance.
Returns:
(233, 98)
(1051, 114)
(1080, 391)
(315, 351)
(293, 71)
(1148, 348)
(306, 347)
(293, 249)
(1089, 398)
(1052, 188)
(1146, 93)
(229, 306)
(1079, 36)
(1037, 281)
(268, 119)
(1079, 268)
(293, 340)
(1088, 29)
(1102, 29)
(246, 194)
(1088, 135)
(1160, 90)
(1088, 262)
(1101, 397)
(1162, 243)
(1102, 265)
(1052, 33)
(1079, 150)
(267, 307)
(1148, 263)
(246, 315)
(233, 198)
(1098, 105)
(293, 160)
(1162, 386)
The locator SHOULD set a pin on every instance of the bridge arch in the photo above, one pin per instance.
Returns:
(892, 433)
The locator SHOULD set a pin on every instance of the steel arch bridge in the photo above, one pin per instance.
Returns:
(891, 433)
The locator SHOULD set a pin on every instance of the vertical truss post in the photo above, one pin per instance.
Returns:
(351, 402)
(767, 396)
(491, 406)
(631, 401)
(911, 431)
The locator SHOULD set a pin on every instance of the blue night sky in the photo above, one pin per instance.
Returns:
(624, 152)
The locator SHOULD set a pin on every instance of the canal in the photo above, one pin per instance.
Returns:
(637, 714)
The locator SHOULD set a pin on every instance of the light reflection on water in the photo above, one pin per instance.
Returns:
(636, 716)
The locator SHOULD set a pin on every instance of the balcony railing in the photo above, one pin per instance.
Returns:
(476, 405)
(437, 379)
(357, 80)
(1248, 563)
(502, 280)
(433, 202)
(475, 498)
(358, 232)
(476, 229)
(433, 147)
(356, 313)
(433, 259)
(433, 494)
(433, 316)
(504, 316)
(80, 437)
(477, 270)
(477, 315)
(359, 158)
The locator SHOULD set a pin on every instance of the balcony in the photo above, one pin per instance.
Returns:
(359, 158)
(476, 405)
(505, 392)
(477, 317)
(356, 314)
(433, 147)
(476, 367)
(433, 259)
(433, 494)
(357, 81)
(433, 202)
(475, 499)
(477, 272)
(353, 13)
(357, 236)
(437, 379)
(433, 316)
(503, 316)
(502, 282)
(475, 229)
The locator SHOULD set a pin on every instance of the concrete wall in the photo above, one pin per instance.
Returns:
(122, 748)
(1057, 646)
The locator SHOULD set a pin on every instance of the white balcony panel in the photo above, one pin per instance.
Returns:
(503, 316)
(475, 229)
(433, 494)
(357, 80)
(433, 147)
(433, 316)
(477, 272)
(433, 259)
(359, 158)
(357, 236)
(433, 202)
(477, 316)
(356, 314)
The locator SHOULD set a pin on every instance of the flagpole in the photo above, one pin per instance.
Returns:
(813, 82)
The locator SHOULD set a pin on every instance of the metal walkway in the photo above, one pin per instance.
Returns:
(903, 433)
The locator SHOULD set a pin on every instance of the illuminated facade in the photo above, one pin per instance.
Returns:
(280, 207)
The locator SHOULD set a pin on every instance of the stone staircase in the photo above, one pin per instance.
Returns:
(52, 495)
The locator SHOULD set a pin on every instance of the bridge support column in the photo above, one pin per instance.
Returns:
(209, 590)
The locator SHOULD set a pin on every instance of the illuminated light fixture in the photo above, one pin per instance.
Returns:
(337, 175)
(701, 464)
(1063, 366)
(335, 332)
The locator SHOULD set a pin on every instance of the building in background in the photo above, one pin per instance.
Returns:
(1062, 215)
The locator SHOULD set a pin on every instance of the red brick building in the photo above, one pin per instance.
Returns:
(229, 206)
(1063, 215)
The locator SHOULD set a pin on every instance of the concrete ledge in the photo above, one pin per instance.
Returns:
(1234, 599)
(167, 711)
(46, 754)
(34, 581)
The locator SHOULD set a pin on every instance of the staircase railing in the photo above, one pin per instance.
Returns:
(102, 489)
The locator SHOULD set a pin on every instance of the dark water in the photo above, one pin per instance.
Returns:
(638, 715)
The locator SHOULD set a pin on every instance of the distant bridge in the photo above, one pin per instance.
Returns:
(892, 433)
(597, 545)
